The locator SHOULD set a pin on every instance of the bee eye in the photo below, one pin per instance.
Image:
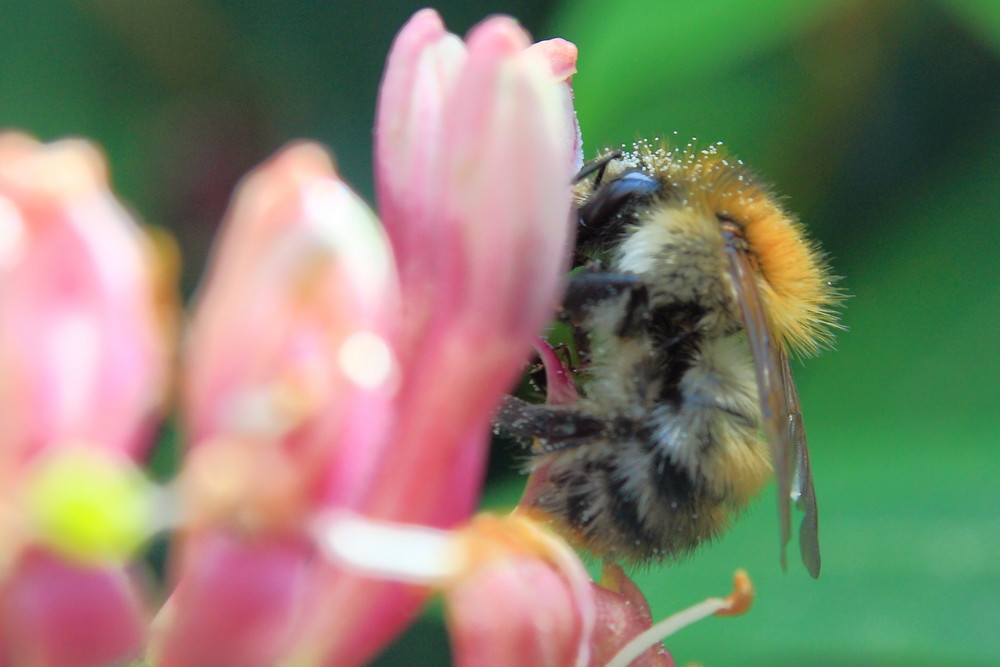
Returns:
(607, 212)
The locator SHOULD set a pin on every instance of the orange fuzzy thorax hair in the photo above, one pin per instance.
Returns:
(795, 281)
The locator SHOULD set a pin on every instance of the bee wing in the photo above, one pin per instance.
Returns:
(803, 492)
(780, 411)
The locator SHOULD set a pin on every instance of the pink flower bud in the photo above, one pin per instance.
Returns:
(292, 318)
(475, 147)
(60, 614)
(288, 385)
(82, 345)
(473, 168)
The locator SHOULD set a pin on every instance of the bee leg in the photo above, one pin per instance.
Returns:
(588, 290)
(591, 288)
(556, 427)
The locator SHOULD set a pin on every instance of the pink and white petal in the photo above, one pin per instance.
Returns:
(515, 594)
(369, 586)
(560, 54)
(356, 617)
(291, 375)
(298, 409)
(364, 613)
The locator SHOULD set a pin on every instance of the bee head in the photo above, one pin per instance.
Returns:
(703, 200)
(611, 201)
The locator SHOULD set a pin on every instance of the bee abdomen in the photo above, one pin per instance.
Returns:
(619, 511)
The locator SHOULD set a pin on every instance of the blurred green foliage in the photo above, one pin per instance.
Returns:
(877, 119)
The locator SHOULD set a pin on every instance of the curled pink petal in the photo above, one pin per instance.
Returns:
(559, 386)
(560, 390)
(561, 56)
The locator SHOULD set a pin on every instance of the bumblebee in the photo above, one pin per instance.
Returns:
(694, 285)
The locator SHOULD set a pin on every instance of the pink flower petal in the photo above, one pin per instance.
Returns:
(559, 386)
(58, 614)
(446, 197)
(523, 599)
(238, 602)
(514, 612)
(473, 172)
(419, 77)
(560, 54)
(83, 357)
(500, 144)
(355, 617)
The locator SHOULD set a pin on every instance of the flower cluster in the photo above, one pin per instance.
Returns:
(334, 381)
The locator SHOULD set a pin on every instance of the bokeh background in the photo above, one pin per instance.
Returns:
(880, 121)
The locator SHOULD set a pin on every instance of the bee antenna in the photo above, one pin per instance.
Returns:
(598, 165)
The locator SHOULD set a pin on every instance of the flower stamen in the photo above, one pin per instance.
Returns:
(737, 602)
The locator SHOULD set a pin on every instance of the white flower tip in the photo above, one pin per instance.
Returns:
(560, 54)
(307, 156)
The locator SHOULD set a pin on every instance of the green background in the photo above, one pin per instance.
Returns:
(878, 120)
